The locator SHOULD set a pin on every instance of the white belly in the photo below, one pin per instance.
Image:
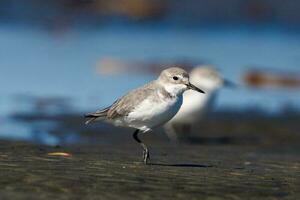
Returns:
(151, 114)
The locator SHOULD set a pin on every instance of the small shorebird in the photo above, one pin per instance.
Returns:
(195, 106)
(148, 106)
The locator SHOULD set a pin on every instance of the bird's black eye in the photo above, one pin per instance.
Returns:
(175, 78)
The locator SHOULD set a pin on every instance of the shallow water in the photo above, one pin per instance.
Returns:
(38, 64)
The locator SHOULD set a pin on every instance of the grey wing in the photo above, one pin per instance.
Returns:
(130, 101)
(98, 114)
(124, 105)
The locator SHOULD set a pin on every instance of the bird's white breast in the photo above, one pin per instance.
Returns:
(151, 113)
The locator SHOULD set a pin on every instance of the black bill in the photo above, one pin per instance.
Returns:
(192, 87)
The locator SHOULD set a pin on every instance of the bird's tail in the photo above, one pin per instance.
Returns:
(98, 115)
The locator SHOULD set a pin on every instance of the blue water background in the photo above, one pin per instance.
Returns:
(48, 64)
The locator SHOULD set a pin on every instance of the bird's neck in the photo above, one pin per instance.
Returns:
(173, 90)
(165, 94)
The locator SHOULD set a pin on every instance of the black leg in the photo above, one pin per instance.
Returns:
(146, 154)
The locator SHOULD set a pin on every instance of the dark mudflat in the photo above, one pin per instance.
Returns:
(183, 172)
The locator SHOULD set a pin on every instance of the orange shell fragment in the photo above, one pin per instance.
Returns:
(64, 154)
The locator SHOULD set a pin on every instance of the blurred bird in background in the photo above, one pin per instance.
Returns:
(195, 105)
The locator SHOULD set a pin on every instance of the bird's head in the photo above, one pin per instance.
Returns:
(176, 80)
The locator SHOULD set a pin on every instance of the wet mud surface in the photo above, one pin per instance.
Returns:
(231, 156)
(176, 171)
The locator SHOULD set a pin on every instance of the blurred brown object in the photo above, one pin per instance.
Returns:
(136, 9)
(257, 10)
(258, 78)
(112, 66)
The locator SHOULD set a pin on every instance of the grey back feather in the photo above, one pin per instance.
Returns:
(127, 103)
(123, 106)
